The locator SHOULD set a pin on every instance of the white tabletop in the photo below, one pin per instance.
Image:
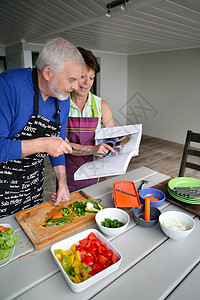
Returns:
(153, 266)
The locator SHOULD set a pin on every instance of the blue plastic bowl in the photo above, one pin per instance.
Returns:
(152, 192)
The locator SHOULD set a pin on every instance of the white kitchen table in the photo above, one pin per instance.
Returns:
(153, 266)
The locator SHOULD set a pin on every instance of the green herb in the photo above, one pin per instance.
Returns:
(7, 241)
(112, 223)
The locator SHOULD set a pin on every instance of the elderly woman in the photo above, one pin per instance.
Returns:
(87, 113)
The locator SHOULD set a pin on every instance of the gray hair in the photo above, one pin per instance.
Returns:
(55, 53)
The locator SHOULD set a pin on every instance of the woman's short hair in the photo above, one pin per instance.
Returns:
(55, 53)
(89, 59)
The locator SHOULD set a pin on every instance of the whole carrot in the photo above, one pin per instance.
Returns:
(147, 209)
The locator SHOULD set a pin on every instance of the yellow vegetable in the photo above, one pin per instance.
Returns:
(76, 270)
(69, 252)
(77, 256)
(59, 253)
(77, 279)
(73, 248)
(71, 257)
(76, 263)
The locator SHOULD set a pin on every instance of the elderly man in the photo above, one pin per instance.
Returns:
(33, 116)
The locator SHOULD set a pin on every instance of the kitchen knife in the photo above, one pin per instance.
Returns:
(89, 152)
(85, 195)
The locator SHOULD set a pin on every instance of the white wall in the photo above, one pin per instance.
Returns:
(164, 93)
(2, 50)
(113, 83)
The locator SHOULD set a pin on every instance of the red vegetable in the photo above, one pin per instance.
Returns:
(97, 242)
(89, 261)
(114, 258)
(108, 254)
(97, 267)
(104, 261)
(101, 249)
(91, 236)
(4, 228)
(95, 255)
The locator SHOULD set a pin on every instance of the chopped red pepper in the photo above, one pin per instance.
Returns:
(108, 254)
(101, 249)
(92, 236)
(114, 258)
(97, 242)
(104, 261)
(89, 261)
(97, 267)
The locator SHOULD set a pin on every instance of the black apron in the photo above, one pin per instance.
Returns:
(21, 180)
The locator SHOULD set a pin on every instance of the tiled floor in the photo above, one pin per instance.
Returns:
(160, 155)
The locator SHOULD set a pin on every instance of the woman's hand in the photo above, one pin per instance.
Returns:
(103, 148)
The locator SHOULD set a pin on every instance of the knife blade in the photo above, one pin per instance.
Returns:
(89, 152)
(84, 195)
(87, 197)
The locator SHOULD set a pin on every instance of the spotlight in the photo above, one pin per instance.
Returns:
(123, 6)
(108, 13)
(121, 3)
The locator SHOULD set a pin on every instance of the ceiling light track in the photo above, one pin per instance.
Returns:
(121, 3)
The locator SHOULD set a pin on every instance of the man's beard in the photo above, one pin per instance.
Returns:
(58, 94)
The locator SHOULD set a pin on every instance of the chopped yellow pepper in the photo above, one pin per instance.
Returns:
(69, 252)
(76, 263)
(77, 279)
(76, 270)
(73, 248)
(77, 256)
(71, 257)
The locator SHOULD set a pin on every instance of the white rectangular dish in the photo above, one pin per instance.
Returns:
(67, 244)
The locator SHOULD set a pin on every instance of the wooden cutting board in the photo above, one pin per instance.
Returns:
(32, 219)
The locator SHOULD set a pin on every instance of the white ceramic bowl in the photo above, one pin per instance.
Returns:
(168, 217)
(112, 213)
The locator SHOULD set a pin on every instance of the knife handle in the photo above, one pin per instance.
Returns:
(84, 194)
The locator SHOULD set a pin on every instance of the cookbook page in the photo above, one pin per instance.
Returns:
(126, 146)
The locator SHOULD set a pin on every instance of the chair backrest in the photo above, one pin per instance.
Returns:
(191, 137)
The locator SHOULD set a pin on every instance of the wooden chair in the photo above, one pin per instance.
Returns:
(191, 137)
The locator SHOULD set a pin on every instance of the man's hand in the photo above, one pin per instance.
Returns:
(54, 146)
(62, 194)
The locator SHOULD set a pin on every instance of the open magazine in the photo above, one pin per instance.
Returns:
(125, 140)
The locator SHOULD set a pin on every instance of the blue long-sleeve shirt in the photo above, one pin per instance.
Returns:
(17, 107)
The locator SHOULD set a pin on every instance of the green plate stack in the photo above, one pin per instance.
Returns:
(184, 182)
